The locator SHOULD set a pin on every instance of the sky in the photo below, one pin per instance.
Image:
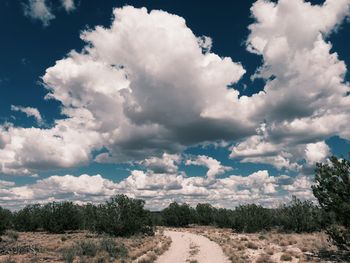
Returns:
(225, 102)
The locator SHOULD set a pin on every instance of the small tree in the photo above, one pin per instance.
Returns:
(123, 216)
(28, 219)
(60, 217)
(299, 216)
(205, 214)
(178, 215)
(251, 218)
(223, 218)
(332, 190)
(5, 219)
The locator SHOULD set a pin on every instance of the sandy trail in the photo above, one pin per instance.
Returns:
(186, 246)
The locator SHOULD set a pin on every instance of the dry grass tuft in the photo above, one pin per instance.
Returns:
(286, 257)
(252, 245)
(13, 235)
(263, 258)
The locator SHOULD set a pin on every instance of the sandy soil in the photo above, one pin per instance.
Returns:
(273, 247)
(188, 247)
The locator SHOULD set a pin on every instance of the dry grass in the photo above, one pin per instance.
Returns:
(286, 257)
(263, 258)
(81, 247)
(252, 245)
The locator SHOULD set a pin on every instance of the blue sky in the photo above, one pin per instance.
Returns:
(227, 102)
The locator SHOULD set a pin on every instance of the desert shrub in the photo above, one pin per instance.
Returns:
(123, 216)
(29, 218)
(12, 234)
(205, 214)
(60, 217)
(223, 218)
(5, 220)
(68, 254)
(251, 218)
(87, 248)
(9, 259)
(89, 216)
(263, 258)
(178, 215)
(299, 216)
(113, 250)
(252, 245)
(286, 257)
(157, 219)
(332, 190)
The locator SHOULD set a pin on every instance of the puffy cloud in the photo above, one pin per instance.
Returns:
(305, 98)
(214, 166)
(30, 112)
(68, 5)
(157, 189)
(28, 150)
(39, 9)
(166, 164)
(317, 152)
(142, 87)
(42, 9)
(301, 187)
(133, 95)
(84, 188)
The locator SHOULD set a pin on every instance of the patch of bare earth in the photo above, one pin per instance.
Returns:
(81, 247)
(187, 247)
(269, 247)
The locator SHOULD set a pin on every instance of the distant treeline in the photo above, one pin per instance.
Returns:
(123, 216)
(298, 216)
(120, 216)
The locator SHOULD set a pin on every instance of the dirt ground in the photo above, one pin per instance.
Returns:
(189, 247)
(192, 244)
(81, 246)
(273, 246)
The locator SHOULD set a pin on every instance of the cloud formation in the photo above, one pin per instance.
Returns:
(42, 9)
(30, 112)
(146, 88)
(39, 10)
(214, 166)
(156, 188)
(305, 98)
(68, 5)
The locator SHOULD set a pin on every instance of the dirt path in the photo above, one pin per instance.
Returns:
(186, 246)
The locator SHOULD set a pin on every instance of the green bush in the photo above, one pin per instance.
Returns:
(5, 220)
(205, 214)
(178, 215)
(223, 218)
(60, 217)
(87, 248)
(89, 214)
(251, 218)
(29, 218)
(12, 234)
(68, 254)
(123, 216)
(332, 190)
(300, 216)
(113, 250)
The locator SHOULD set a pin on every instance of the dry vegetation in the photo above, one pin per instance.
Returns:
(80, 247)
(270, 246)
